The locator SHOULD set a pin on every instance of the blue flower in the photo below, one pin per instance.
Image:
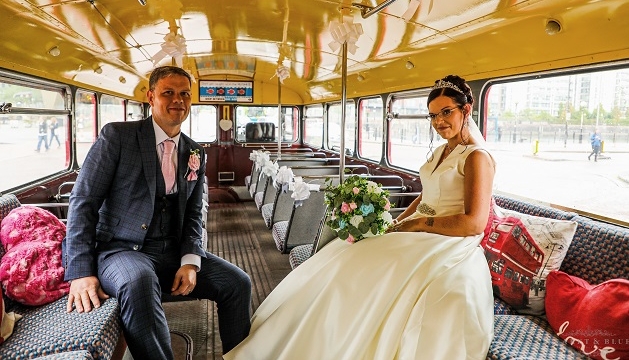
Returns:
(342, 224)
(366, 209)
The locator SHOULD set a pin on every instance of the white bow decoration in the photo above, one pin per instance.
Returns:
(261, 157)
(282, 73)
(343, 32)
(301, 191)
(284, 177)
(175, 46)
(269, 168)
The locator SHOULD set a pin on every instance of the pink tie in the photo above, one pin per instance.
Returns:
(168, 166)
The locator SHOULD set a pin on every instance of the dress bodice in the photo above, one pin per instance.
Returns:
(443, 186)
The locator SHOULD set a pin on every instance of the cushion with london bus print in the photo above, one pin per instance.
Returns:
(521, 250)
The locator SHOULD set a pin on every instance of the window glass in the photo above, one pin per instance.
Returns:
(412, 138)
(135, 111)
(540, 132)
(33, 145)
(313, 125)
(259, 124)
(26, 97)
(334, 126)
(111, 109)
(370, 118)
(85, 112)
(201, 123)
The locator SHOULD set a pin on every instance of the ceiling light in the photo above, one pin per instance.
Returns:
(552, 27)
(142, 2)
(360, 77)
(54, 51)
(122, 79)
(98, 70)
(409, 65)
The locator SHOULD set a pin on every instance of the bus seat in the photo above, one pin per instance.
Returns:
(300, 228)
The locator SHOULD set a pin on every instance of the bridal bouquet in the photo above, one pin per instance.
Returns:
(357, 208)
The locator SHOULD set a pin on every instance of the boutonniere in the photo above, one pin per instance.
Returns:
(194, 162)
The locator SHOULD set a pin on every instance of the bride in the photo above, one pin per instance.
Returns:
(421, 291)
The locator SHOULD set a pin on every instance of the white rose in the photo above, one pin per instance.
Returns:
(386, 216)
(372, 187)
(356, 220)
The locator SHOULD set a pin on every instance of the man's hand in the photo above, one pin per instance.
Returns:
(85, 292)
(185, 280)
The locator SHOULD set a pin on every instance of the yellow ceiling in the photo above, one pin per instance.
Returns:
(109, 44)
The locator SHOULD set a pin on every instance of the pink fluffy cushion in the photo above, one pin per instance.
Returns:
(31, 271)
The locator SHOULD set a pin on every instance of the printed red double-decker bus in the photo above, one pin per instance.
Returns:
(514, 259)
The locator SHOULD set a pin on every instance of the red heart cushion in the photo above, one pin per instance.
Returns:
(591, 318)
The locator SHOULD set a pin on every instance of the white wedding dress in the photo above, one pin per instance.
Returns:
(395, 296)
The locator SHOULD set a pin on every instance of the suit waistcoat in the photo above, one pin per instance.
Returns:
(164, 220)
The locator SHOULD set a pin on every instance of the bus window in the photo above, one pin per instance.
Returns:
(135, 111)
(201, 123)
(111, 109)
(259, 124)
(34, 143)
(370, 116)
(334, 127)
(553, 118)
(313, 125)
(85, 110)
(410, 133)
(509, 273)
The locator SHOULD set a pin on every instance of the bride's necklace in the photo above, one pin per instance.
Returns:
(449, 148)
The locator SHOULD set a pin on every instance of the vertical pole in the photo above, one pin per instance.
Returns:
(279, 119)
(343, 104)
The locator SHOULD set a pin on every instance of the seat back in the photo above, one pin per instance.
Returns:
(303, 226)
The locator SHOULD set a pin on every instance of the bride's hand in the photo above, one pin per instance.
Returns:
(394, 227)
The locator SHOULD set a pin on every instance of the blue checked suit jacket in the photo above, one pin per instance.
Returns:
(114, 195)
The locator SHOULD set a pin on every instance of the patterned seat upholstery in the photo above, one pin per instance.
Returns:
(502, 308)
(49, 331)
(68, 355)
(299, 254)
(528, 337)
(267, 214)
(279, 233)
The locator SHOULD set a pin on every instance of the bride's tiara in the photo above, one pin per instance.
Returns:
(446, 84)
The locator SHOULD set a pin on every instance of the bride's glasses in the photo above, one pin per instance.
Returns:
(443, 114)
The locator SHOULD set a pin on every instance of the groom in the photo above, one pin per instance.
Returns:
(134, 226)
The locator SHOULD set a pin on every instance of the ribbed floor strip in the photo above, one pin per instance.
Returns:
(237, 233)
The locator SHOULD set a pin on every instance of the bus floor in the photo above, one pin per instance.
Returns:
(237, 233)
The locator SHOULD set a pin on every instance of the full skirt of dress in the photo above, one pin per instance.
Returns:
(395, 296)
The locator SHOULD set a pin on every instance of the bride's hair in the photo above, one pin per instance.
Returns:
(459, 91)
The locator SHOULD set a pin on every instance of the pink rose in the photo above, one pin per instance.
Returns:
(345, 208)
(353, 205)
(350, 239)
(194, 162)
(356, 190)
(387, 207)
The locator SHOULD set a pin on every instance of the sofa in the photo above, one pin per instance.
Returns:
(49, 332)
(598, 252)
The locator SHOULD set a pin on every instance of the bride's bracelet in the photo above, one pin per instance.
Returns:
(394, 221)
